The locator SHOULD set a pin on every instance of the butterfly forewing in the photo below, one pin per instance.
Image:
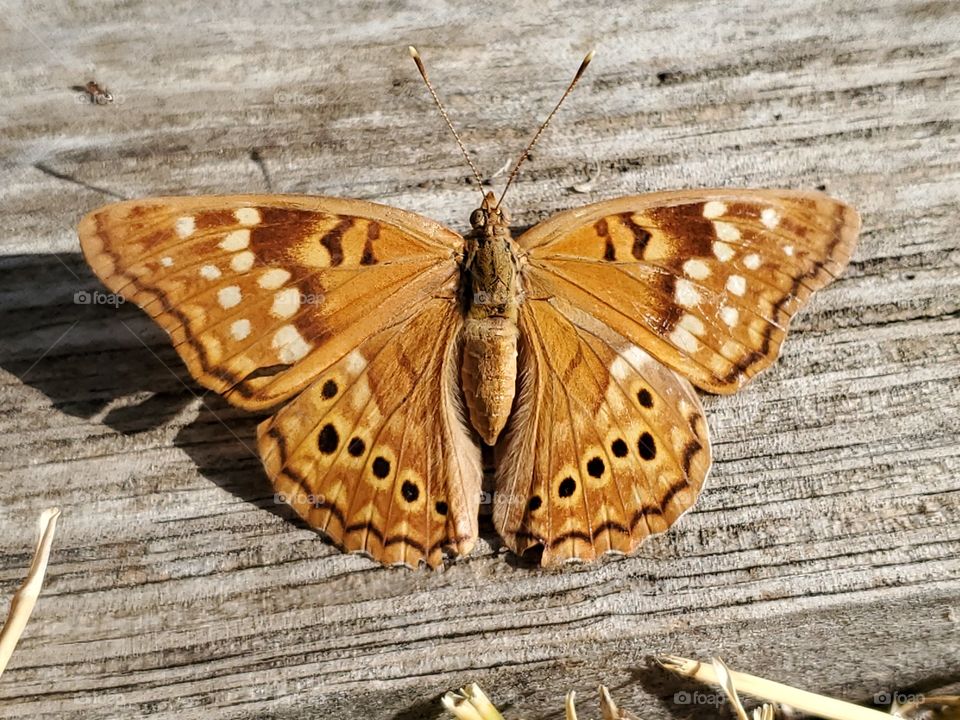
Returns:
(607, 445)
(706, 281)
(261, 293)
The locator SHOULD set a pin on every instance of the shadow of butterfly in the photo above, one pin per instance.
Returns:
(390, 348)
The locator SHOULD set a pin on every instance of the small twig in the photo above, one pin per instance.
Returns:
(26, 597)
(773, 692)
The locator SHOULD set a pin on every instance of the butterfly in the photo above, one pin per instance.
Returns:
(390, 349)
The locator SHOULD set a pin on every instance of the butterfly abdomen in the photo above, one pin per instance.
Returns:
(489, 373)
(489, 365)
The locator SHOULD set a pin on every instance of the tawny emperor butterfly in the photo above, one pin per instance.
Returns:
(390, 348)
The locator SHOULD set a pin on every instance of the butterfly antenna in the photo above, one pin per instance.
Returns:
(423, 72)
(526, 153)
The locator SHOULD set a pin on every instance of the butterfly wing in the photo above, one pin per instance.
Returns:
(606, 447)
(706, 281)
(260, 294)
(343, 309)
(376, 452)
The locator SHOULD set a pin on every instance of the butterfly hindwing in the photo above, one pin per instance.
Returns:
(261, 293)
(705, 281)
(606, 447)
(376, 453)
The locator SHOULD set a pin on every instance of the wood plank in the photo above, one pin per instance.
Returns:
(824, 550)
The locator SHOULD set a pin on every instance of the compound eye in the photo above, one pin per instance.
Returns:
(478, 218)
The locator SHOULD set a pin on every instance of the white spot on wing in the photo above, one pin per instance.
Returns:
(731, 349)
(355, 362)
(242, 261)
(229, 296)
(697, 269)
(289, 344)
(752, 261)
(185, 226)
(788, 249)
(240, 329)
(684, 340)
(770, 218)
(247, 216)
(360, 394)
(273, 278)
(723, 251)
(714, 209)
(236, 240)
(619, 368)
(726, 231)
(285, 303)
(166, 261)
(729, 315)
(210, 272)
(692, 324)
(686, 293)
(635, 356)
(736, 284)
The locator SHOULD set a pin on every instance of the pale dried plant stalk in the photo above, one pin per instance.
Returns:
(764, 712)
(726, 683)
(26, 597)
(470, 703)
(569, 705)
(772, 692)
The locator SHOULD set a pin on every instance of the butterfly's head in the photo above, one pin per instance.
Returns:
(489, 215)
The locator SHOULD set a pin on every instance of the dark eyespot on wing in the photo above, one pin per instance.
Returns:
(646, 446)
(567, 487)
(381, 467)
(329, 389)
(329, 439)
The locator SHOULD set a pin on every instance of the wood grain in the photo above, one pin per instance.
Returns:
(823, 552)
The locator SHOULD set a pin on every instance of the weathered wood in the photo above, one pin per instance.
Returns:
(824, 549)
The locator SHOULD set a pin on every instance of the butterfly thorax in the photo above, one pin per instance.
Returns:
(491, 299)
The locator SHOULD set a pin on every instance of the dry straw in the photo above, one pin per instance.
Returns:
(470, 703)
(26, 597)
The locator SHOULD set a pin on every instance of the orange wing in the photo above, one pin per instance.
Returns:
(345, 310)
(606, 447)
(376, 453)
(704, 280)
(260, 294)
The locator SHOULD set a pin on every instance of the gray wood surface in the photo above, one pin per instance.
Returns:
(824, 550)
